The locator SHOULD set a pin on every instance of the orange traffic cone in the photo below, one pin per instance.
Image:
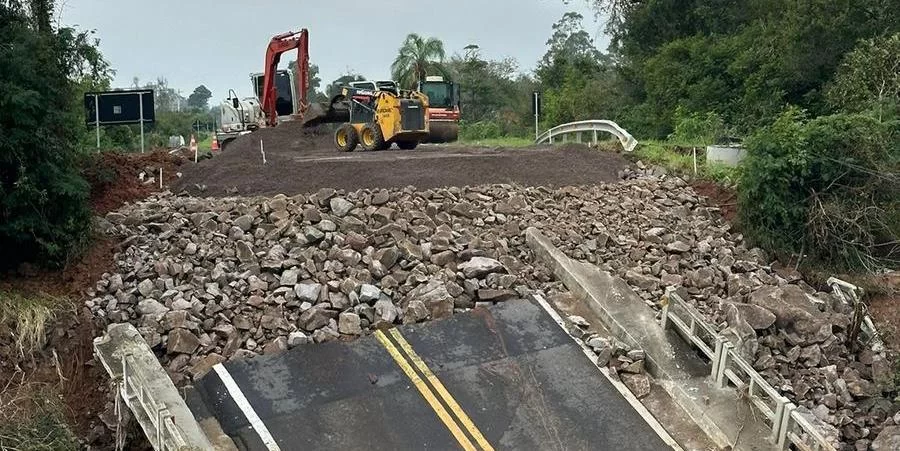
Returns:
(215, 143)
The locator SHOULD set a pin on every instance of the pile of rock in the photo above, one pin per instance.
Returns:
(212, 279)
(623, 363)
(209, 280)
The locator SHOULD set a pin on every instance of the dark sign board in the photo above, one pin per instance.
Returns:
(119, 107)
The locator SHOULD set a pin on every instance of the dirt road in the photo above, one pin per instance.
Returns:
(299, 160)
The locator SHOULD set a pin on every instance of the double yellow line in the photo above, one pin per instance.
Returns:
(403, 361)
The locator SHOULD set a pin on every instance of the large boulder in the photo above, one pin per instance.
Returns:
(755, 316)
(888, 439)
(315, 318)
(792, 308)
(479, 267)
(435, 296)
(182, 341)
(340, 206)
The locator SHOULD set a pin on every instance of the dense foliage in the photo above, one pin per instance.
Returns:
(43, 199)
(746, 61)
(827, 187)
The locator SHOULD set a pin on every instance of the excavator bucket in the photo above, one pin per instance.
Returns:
(323, 113)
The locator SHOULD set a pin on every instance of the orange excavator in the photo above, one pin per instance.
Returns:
(375, 117)
(302, 110)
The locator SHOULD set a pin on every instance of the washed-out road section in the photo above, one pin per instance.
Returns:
(511, 379)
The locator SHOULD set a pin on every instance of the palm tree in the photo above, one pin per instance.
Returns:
(417, 58)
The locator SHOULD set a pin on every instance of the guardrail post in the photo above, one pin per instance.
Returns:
(596, 141)
(724, 358)
(717, 357)
(785, 428)
(778, 418)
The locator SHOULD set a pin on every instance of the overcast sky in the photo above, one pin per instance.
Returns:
(218, 43)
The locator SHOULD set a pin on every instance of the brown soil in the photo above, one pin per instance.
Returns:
(303, 160)
(72, 374)
(718, 196)
(114, 177)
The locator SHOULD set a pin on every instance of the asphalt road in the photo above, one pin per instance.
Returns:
(507, 377)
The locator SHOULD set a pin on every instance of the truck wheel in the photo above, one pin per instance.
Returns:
(407, 145)
(371, 137)
(345, 138)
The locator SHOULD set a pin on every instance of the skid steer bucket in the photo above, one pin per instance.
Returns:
(323, 113)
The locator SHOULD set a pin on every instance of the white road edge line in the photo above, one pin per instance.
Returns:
(255, 421)
(626, 393)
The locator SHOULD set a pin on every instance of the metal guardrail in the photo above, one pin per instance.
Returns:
(143, 386)
(593, 126)
(788, 426)
(851, 295)
(133, 390)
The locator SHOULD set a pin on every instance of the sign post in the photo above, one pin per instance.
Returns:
(97, 118)
(141, 102)
(536, 107)
(120, 108)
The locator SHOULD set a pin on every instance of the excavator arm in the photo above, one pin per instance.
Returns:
(277, 46)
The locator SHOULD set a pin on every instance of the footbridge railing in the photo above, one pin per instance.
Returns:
(561, 133)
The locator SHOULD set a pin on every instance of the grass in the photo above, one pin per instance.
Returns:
(205, 144)
(509, 141)
(30, 316)
(34, 422)
(680, 160)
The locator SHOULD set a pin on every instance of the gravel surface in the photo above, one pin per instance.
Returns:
(300, 160)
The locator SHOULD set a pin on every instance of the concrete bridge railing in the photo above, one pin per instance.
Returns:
(561, 132)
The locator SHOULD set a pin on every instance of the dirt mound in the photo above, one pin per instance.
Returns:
(299, 160)
(288, 136)
(115, 178)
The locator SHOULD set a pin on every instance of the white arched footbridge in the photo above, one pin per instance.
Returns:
(560, 133)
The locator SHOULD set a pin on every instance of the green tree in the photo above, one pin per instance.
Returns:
(570, 46)
(166, 98)
(869, 77)
(417, 58)
(335, 87)
(199, 99)
(43, 199)
(746, 61)
(578, 80)
(315, 82)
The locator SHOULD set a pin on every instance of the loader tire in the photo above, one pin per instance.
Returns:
(371, 138)
(346, 138)
(407, 145)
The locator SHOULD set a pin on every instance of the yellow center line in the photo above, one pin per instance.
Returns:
(442, 391)
(426, 392)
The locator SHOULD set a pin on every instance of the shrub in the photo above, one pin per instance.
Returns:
(480, 130)
(828, 187)
(43, 200)
(697, 129)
